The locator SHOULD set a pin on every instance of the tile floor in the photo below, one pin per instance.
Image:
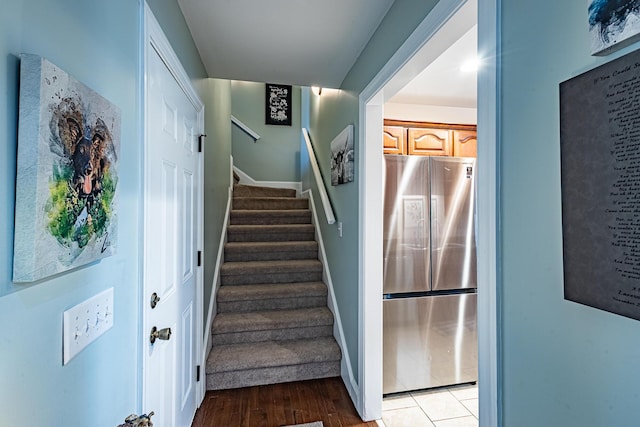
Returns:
(455, 406)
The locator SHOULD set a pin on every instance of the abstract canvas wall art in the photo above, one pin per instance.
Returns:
(342, 157)
(613, 24)
(67, 173)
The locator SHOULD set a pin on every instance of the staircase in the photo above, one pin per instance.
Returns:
(273, 324)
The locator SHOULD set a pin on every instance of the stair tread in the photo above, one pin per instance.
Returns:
(282, 246)
(270, 291)
(270, 232)
(270, 216)
(269, 203)
(277, 266)
(271, 319)
(267, 198)
(257, 189)
(234, 357)
(270, 227)
(286, 212)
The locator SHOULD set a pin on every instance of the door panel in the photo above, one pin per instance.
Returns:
(453, 240)
(394, 140)
(465, 143)
(186, 377)
(166, 208)
(428, 142)
(169, 119)
(429, 342)
(406, 224)
(188, 231)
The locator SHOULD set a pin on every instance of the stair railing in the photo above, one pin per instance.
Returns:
(322, 190)
(246, 129)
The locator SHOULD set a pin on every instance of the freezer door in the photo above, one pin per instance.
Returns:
(429, 342)
(453, 242)
(406, 224)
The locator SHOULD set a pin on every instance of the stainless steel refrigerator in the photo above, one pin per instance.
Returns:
(429, 300)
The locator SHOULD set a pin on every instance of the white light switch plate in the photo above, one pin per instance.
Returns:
(85, 322)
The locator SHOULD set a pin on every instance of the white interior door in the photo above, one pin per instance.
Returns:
(172, 222)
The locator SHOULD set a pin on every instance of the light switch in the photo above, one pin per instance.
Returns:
(85, 322)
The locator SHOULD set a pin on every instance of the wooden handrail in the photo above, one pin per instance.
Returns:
(324, 197)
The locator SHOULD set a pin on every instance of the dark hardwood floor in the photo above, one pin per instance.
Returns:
(276, 405)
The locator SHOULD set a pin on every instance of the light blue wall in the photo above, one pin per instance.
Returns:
(275, 157)
(98, 43)
(217, 175)
(329, 114)
(174, 26)
(564, 364)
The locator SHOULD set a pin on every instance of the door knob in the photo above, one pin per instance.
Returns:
(134, 420)
(155, 299)
(162, 334)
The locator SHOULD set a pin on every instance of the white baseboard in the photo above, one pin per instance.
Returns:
(338, 333)
(247, 180)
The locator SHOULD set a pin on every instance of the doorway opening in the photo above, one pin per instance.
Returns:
(427, 42)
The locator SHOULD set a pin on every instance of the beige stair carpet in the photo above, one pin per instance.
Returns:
(272, 324)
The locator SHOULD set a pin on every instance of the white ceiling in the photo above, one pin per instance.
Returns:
(300, 42)
(442, 82)
(316, 42)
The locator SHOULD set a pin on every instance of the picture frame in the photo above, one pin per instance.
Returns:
(342, 156)
(599, 169)
(67, 173)
(278, 104)
(613, 24)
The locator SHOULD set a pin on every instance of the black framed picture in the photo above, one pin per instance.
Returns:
(277, 105)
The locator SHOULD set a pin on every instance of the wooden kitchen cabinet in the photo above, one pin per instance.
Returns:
(394, 140)
(465, 143)
(428, 142)
(429, 139)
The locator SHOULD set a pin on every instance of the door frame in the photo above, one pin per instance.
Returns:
(371, 111)
(153, 37)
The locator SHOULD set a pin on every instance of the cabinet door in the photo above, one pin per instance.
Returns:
(465, 143)
(393, 140)
(429, 142)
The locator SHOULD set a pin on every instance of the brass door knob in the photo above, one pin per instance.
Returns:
(162, 334)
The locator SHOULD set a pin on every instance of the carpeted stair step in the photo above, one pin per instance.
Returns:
(270, 216)
(271, 362)
(272, 325)
(265, 272)
(241, 190)
(270, 233)
(263, 203)
(276, 296)
(268, 251)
